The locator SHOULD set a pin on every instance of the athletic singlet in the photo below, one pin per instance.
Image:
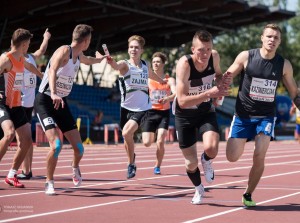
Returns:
(258, 85)
(158, 91)
(13, 81)
(199, 83)
(134, 88)
(65, 78)
(29, 84)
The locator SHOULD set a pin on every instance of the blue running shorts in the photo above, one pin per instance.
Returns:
(248, 128)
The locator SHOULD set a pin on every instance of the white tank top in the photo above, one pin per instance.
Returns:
(134, 88)
(29, 84)
(65, 78)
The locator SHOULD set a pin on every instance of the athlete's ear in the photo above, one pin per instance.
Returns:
(192, 49)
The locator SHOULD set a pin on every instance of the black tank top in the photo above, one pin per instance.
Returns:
(258, 84)
(199, 83)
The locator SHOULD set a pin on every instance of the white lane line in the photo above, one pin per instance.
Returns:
(238, 209)
(151, 196)
(149, 178)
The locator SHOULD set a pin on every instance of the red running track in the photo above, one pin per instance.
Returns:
(106, 195)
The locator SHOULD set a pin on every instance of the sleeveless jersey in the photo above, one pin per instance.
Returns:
(29, 84)
(65, 78)
(258, 85)
(11, 83)
(158, 91)
(134, 88)
(199, 82)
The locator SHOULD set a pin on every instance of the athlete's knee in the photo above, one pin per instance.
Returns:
(231, 157)
(191, 164)
(80, 149)
(147, 142)
(9, 135)
(126, 134)
(57, 147)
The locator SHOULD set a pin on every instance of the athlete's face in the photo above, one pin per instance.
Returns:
(157, 64)
(87, 42)
(202, 50)
(25, 45)
(271, 39)
(134, 49)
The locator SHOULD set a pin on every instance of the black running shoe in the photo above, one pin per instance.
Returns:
(23, 176)
(131, 169)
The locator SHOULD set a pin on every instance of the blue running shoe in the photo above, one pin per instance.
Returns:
(131, 171)
(156, 170)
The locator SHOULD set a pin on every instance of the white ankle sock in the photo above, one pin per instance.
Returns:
(11, 173)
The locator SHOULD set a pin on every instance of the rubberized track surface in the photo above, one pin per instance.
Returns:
(106, 196)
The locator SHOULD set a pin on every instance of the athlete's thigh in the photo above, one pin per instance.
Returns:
(211, 139)
(161, 134)
(262, 143)
(130, 127)
(23, 133)
(148, 137)
(73, 137)
(235, 148)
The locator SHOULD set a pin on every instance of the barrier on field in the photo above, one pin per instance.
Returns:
(111, 127)
(78, 122)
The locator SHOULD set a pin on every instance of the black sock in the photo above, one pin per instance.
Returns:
(195, 177)
(206, 157)
(247, 196)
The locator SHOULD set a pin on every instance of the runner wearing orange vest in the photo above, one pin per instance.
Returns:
(13, 118)
(158, 117)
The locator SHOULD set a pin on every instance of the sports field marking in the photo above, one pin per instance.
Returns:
(158, 195)
(238, 209)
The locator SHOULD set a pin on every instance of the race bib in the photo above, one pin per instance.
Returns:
(30, 81)
(64, 85)
(200, 89)
(156, 95)
(263, 89)
(18, 83)
(138, 81)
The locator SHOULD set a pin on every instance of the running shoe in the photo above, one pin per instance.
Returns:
(247, 200)
(199, 193)
(131, 171)
(14, 182)
(24, 176)
(77, 177)
(156, 170)
(208, 170)
(49, 188)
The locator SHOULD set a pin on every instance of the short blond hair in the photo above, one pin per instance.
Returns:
(272, 26)
(80, 32)
(139, 39)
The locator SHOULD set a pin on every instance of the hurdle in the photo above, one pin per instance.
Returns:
(111, 127)
(78, 122)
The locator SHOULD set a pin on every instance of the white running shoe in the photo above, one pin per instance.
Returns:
(208, 170)
(49, 188)
(77, 177)
(199, 193)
